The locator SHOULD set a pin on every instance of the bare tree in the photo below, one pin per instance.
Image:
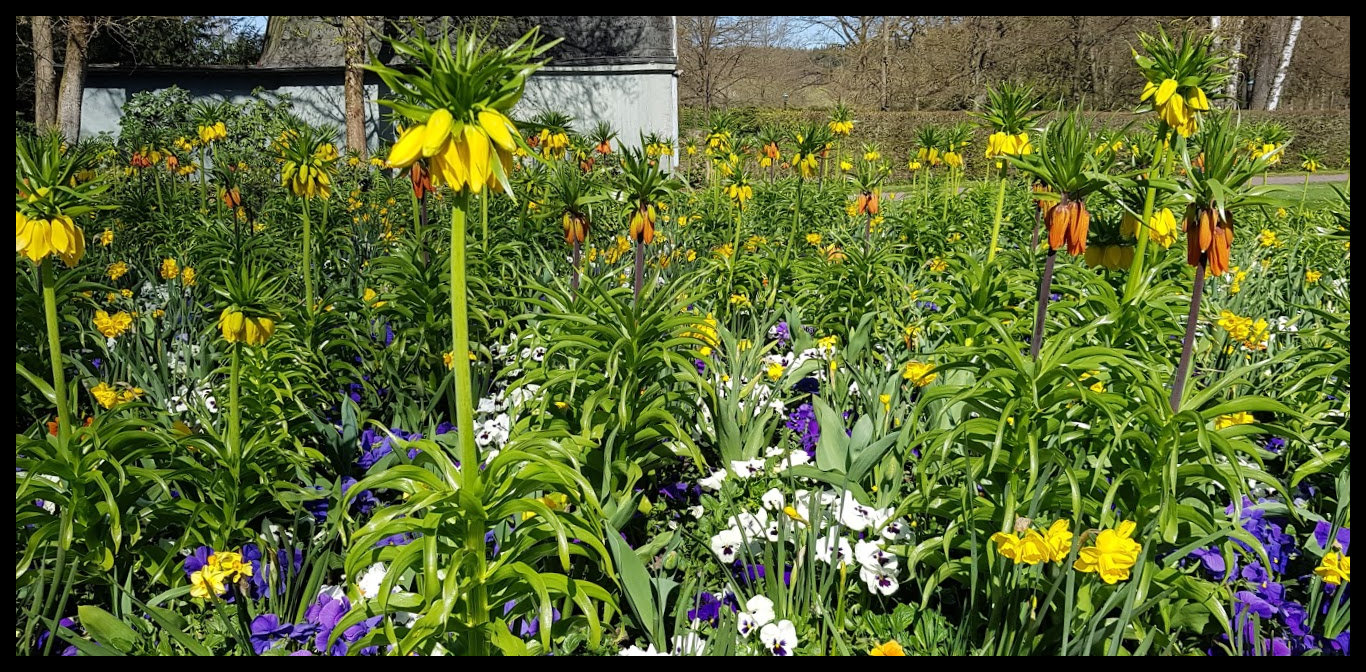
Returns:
(79, 31)
(1275, 98)
(353, 50)
(44, 74)
(711, 49)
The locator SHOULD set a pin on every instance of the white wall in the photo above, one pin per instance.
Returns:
(632, 98)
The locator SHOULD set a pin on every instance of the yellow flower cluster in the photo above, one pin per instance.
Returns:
(740, 193)
(1174, 108)
(1311, 276)
(553, 145)
(187, 276)
(113, 326)
(1258, 151)
(107, 238)
(371, 298)
(1268, 238)
(311, 178)
(170, 270)
(938, 265)
(1252, 334)
(1112, 257)
(221, 569)
(117, 270)
(806, 163)
(37, 238)
(1233, 419)
(460, 156)
(208, 134)
(109, 397)
(1004, 144)
(813, 239)
(1034, 548)
(919, 373)
(238, 327)
(842, 127)
(1335, 569)
(1161, 227)
(1113, 556)
(1236, 284)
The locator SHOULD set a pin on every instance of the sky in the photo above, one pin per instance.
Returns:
(803, 36)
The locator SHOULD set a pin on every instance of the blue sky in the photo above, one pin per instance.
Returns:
(808, 36)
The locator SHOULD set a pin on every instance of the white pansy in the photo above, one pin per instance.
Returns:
(869, 554)
(747, 468)
(745, 624)
(834, 549)
(879, 580)
(897, 530)
(773, 500)
(726, 545)
(713, 482)
(370, 580)
(796, 458)
(696, 511)
(637, 651)
(774, 451)
(761, 609)
(853, 515)
(779, 638)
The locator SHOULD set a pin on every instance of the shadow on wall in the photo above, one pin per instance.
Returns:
(315, 98)
(631, 103)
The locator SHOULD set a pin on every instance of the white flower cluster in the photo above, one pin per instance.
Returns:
(186, 399)
(835, 515)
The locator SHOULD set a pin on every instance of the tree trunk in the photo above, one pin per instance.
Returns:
(1235, 66)
(353, 47)
(1265, 71)
(1290, 39)
(886, 60)
(44, 74)
(78, 32)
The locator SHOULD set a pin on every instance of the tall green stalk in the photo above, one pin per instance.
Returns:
(308, 260)
(1140, 250)
(470, 475)
(235, 401)
(484, 217)
(54, 345)
(996, 223)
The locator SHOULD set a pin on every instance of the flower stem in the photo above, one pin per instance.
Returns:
(484, 217)
(470, 477)
(574, 279)
(54, 346)
(308, 261)
(1136, 268)
(235, 400)
(640, 269)
(996, 223)
(1187, 344)
(1044, 284)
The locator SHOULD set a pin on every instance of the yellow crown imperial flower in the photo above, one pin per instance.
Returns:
(240, 328)
(59, 236)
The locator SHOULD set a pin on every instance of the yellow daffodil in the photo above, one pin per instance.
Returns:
(170, 270)
(1058, 539)
(1233, 419)
(888, 648)
(107, 238)
(105, 395)
(1311, 277)
(938, 265)
(1268, 238)
(1335, 569)
(207, 583)
(187, 276)
(919, 373)
(112, 326)
(1113, 555)
(117, 270)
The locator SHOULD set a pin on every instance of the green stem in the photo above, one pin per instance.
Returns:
(1155, 172)
(203, 184)
(54, 346)
(470, 476)
(996, 224)
(235, 401)
(1304, 194)
(484, 217)
(734, 255)
(308, 260)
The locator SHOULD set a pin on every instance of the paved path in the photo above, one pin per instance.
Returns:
(1313, 177)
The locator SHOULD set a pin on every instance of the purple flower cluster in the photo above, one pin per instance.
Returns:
(927, 305)
(364, 502)
(527, 628)
(1264, 598)
(324, 615)
(780, 333)
(803, 422)
(70, 650)
(681, 493)
(376, 444)
(318, 507)
(708, 607)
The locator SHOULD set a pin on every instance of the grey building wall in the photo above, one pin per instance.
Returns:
(632, 98)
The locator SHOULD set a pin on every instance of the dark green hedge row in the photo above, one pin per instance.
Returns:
(894, 132)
